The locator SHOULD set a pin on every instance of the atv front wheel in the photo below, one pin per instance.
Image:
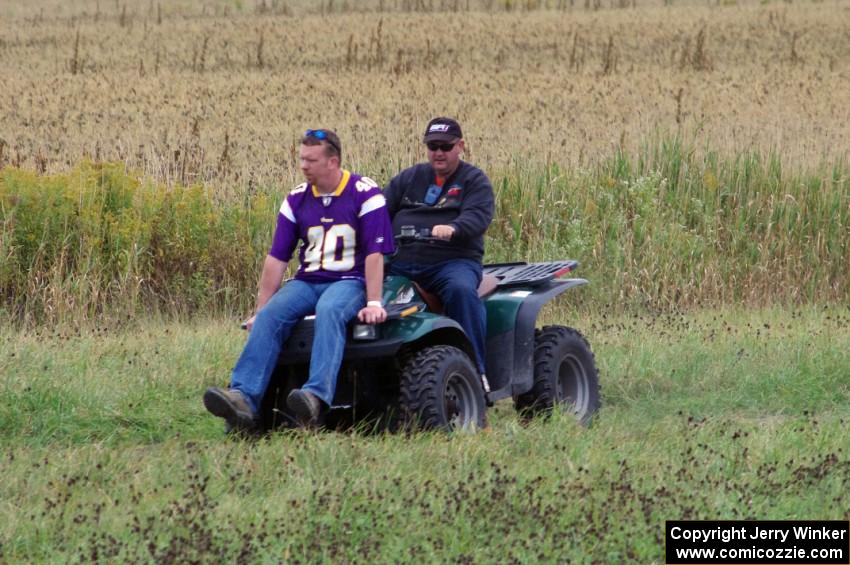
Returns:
(440, 389)
(565, 376)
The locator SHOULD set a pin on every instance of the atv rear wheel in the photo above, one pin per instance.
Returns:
(565, 376)
(440, 389)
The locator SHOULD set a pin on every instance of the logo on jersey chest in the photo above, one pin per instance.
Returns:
(327, 200)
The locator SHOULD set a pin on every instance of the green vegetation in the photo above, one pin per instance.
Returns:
(98, 241)
(107, 452)
(674, 226)
(668, 227)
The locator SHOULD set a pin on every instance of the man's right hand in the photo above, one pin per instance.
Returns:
(249, 323)
(372, 315)
(442, 232)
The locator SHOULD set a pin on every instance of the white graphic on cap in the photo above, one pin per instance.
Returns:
(439, 127)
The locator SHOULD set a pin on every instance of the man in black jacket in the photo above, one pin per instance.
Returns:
(454, 200)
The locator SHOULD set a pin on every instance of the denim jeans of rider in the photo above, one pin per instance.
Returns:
(456, 283)
(334, 303)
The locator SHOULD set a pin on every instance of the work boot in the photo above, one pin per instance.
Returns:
(307, 406)
(231, 405)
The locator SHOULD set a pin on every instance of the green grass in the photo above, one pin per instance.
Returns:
(107, 452)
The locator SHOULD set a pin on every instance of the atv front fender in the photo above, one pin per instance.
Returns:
(425, 329)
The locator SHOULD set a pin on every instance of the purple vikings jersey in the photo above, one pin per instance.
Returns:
(338, 230)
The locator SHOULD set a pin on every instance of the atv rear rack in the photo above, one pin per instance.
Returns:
(528, 274)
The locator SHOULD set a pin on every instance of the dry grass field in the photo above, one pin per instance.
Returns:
(219, 91)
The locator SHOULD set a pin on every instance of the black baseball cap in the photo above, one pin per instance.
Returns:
(442, 129)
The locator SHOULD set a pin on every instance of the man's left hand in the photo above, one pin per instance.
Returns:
(442, 232)
(372, 315)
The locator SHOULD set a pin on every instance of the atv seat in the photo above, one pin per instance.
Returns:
(435, 305)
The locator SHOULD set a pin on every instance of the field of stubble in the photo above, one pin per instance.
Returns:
(221, 90)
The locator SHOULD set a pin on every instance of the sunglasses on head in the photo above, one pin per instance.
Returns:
(323, 136)
(437, 146)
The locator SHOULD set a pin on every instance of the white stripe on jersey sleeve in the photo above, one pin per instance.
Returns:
(375, 202)
(286, 210)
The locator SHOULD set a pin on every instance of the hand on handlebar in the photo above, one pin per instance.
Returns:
(438, 234)
(443, 232)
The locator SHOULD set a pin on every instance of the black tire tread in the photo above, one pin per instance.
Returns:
(421, 390)
(541, 398)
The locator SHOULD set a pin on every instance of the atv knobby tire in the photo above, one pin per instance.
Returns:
(441, 390)
(565, 376)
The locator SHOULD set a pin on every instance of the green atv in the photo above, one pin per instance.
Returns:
(416, 370)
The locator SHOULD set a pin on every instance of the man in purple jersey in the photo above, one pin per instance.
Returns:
(342, 221)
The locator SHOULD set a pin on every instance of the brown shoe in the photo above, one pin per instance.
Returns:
(231, 405)
(307, 406)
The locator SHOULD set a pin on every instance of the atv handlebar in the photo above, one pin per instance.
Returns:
(408, 234)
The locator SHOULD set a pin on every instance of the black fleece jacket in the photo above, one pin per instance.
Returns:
(465, 202)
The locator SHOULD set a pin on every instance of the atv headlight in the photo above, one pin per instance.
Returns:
(364, 332)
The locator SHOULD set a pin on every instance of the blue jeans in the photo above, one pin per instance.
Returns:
(456, 283)
(334, 303)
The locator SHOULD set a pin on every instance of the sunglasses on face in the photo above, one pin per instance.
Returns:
(323, 136)
(437, 146)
